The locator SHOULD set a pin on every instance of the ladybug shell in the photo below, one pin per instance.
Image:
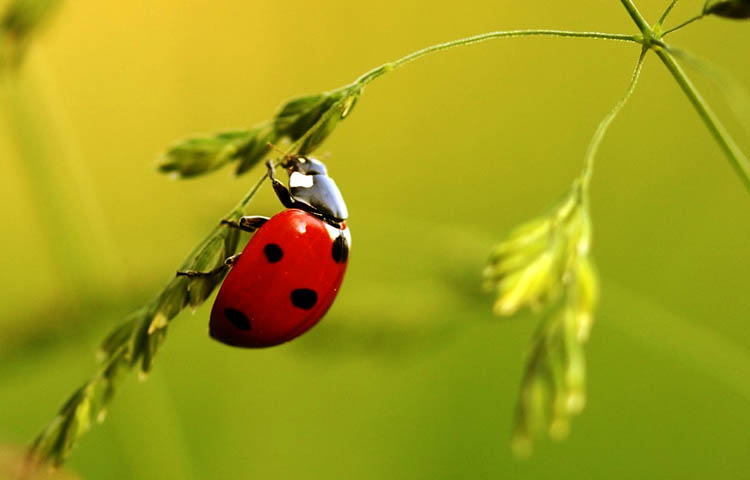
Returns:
(285, 280)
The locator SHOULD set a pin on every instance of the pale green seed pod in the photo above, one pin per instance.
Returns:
(524, 286)
(199, 155)
(586, 297)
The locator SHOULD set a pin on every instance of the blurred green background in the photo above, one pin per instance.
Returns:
(408, 376)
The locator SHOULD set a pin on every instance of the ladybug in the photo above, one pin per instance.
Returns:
(289, 273)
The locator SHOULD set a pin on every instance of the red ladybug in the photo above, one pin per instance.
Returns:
(289, 273)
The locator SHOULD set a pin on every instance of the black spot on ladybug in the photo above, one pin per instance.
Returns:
(304, 298)
(340, 250)
(273, 252)
(237, 318)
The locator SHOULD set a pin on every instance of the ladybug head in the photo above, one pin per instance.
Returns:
(313, 190)
(305, 166)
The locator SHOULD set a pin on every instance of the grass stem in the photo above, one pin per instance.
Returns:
(666, 13)
(601, 130)
(639, 20)
(738, 159)
(376, 72)
(683, 24)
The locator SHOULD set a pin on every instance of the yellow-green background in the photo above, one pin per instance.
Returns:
(408, 376)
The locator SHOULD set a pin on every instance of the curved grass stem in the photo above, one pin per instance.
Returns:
(376, 72)
(683, 24)
(666, 13)
(601, 130)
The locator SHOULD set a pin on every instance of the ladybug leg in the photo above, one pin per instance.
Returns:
(251, 223)
(230, 261)
(248, 223)
(195, 273)
(279, 188)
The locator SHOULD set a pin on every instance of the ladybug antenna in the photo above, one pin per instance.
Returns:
(285, 155)
(278, 149)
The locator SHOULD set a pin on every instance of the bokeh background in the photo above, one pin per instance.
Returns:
(409, 375)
